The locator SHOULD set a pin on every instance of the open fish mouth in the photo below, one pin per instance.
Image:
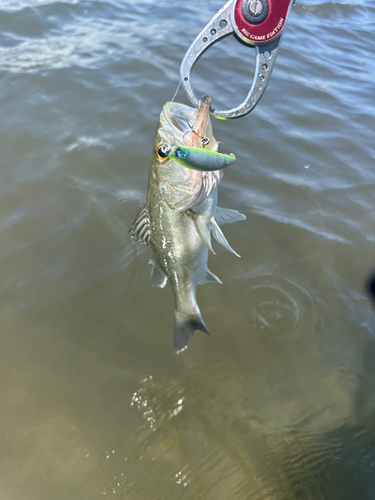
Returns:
(183, 125)
(202, 119)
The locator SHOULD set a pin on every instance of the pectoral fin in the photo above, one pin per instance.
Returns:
(227, 216)
(203, 231)
(140, 230)
(158, 278)
(210, 277)
(220, 238)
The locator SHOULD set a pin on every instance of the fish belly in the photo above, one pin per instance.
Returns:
(178, 248)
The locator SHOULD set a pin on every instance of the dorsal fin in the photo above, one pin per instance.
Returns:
(140, 230)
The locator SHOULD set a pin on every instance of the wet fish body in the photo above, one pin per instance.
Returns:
(179, 216)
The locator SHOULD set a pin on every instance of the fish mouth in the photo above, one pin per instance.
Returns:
(183, 125)
(202, 118)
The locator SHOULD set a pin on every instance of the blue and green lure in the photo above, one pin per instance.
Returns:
(200, 159)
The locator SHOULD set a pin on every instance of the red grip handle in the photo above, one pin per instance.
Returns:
(259, 21)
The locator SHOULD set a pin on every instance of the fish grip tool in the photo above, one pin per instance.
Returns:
(256, 23)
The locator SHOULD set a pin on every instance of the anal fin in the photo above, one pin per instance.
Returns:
(220, 238)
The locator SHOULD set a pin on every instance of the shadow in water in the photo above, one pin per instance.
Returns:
(338, 464)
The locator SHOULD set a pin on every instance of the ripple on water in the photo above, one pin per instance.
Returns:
(281, 307)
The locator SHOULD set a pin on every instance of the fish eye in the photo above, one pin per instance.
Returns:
(162, 151)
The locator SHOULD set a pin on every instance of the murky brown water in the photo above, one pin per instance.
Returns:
(279, 404)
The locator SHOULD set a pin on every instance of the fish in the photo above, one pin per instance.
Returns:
(180, 214)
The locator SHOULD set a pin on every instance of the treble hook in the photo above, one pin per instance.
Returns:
(205, 141)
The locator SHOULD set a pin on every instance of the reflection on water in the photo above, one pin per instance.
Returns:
(148, 399)
(279, 403)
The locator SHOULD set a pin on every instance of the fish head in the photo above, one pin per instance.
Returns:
(181, 125)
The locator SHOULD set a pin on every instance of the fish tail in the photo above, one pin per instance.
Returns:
(184, 327)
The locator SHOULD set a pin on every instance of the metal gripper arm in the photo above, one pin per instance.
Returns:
(233, 19)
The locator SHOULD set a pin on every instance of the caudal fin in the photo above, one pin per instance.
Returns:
(184, 327)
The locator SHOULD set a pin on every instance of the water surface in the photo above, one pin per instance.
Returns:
(279, 404)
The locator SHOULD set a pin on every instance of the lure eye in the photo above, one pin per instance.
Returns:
(162, 151)
(181, 153)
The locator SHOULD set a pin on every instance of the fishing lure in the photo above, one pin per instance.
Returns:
(200, 159)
